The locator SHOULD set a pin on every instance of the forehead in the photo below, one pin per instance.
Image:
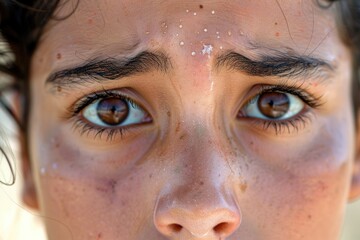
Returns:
(300, 26)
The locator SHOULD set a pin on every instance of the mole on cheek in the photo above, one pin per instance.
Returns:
(58, 56)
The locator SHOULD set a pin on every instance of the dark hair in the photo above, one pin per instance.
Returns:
(22, 23)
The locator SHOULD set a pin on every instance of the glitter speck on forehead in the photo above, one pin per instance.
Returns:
(207, 49)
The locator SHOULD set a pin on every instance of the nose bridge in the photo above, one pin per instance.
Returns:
(198, 201)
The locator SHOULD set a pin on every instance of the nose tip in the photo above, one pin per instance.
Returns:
(207, 223)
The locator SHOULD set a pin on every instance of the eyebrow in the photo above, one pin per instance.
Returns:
(280, 65)
(97, 70)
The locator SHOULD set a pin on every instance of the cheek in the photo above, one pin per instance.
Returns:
(301, 183)
(78, 185)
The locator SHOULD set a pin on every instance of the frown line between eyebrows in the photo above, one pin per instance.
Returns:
(280, 65)
(98, 70)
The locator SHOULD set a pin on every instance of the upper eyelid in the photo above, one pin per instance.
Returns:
(304, 95)
(86, 100)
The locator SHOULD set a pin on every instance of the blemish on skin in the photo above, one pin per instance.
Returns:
(207, 49)
(59, 88)
(55, 165)
(309, 216)
(58, 56)
(201, 183)
(90, 21)
(277, 34)
(276, 23)
(193, 53)
(150, 175)
(181, 43)
(112, 184)
(99, 236)
(243, 187)
(182, 137)
(201, 6)
(163, 25)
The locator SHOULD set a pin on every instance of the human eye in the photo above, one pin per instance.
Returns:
(108, 113)
(280, 107)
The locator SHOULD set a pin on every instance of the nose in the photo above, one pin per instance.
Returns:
(200, 213)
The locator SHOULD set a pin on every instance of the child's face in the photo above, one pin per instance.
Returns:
(235, 123)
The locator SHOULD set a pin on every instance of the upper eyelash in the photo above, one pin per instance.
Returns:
(84, 102)
(312, 101)
(285, 124)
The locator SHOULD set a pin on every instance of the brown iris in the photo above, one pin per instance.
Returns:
(112, 111)
(273, 104)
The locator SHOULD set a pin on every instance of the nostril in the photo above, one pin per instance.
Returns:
(223, 228)
(175, 228)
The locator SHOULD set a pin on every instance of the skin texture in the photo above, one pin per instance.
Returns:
(198, 170)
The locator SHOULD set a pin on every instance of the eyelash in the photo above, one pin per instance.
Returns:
(87, 128)
(278, 125)
(292, 124)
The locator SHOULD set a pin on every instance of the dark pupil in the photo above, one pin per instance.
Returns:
(273, 104)
(112, 111)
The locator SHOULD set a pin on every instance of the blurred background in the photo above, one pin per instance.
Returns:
(19, 223)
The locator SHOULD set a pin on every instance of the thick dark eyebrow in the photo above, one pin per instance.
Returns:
(97, 70)
(280, 65)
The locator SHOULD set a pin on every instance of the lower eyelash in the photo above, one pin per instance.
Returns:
(287, 125)
(87, 129)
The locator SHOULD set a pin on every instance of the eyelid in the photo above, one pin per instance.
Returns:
(85, 127)
(300, 120)
(303, 94)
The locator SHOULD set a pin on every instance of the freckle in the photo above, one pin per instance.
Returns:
(277, 34)
(182, 137)
(201, 183)
(99, 236)
(58, 56)
(276, 23)
(309, 216)
(243, 187)
(168, 113)
(90, 21)
(150, 175)
(251, 143)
